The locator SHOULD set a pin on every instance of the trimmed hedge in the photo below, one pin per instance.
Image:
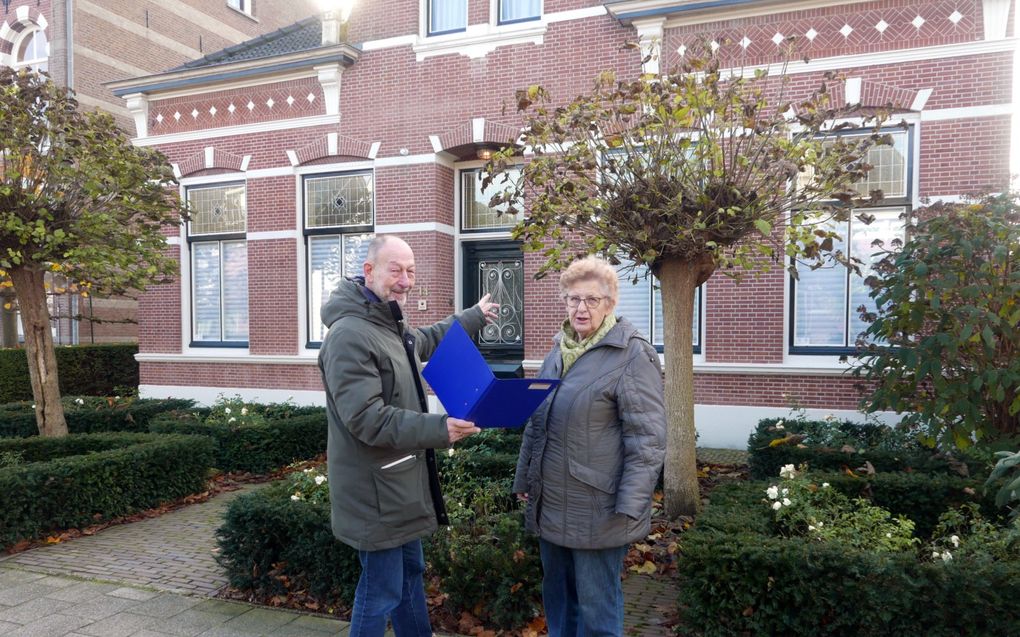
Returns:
(266, 534)
(17, 420)
(883, 447)
(256, 448)
(738, 579)
(86, 370)
(75, 481)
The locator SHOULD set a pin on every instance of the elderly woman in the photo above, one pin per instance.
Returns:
(591, 455)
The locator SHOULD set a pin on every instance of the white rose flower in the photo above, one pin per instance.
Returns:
(79, 401)
(811, 527)
(772, 492)
(450, 451)
(955, 539)
(320, 479)
(786, 502)
(295, 497)
(777, 505)
(226, 410)
(786, 492)
(934, 555)
(946, 556)
(825, 485)
(244, 411)
(232, 419)
(788, 471)
(821, 524)
(889, 535)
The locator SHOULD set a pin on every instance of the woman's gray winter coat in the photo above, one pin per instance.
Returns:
(592, 452)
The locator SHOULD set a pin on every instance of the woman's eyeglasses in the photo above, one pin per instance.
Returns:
(591, 302)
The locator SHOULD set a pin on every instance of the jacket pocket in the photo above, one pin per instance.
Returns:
(592, 477)
(400, 487)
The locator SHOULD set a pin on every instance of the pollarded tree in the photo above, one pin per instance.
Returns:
(944, 343)
(76, 198)
(687, 172)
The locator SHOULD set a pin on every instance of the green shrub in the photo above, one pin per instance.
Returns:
(738, 577)
(831, 445)
(87, 414)
(77, 480)
(266, 535)
(252, 441)
(86, 370)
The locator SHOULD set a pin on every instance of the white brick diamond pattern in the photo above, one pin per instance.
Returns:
(270, 102)
(778, 38)
(918, 22)
(745, 42)
(955, 17)
(882, 26)
(682, 50)
(251, 105)
(194, 113)
(846, 30)
(177, 116)
(311, 98)
(811, 34)
(714, 45)
(231, 108)
(212, 111)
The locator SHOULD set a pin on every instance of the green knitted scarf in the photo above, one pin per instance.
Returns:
(571, 348)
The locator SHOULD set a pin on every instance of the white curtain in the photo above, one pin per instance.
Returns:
(447, 15)
(331, 258)
(511, 10)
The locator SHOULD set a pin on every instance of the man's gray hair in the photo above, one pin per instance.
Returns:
(376, 244)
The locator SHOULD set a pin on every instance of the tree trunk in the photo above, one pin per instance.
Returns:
(679, 280)
(42, 360)
(8, 320)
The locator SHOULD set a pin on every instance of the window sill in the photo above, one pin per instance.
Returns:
(480, 39)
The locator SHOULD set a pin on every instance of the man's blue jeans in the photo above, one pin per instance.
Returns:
(581, 591)
(391, 587)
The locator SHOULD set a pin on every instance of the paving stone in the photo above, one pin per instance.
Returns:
(259, 619)
(136, 594)
(7, 628)
(20, 593)
(188, 623)
(222, 607)
(119, 625)
(165, 605)
(100, 607)
(317, 622)
(290, 630)
(32, 610)
(49, 626)
(81, 592)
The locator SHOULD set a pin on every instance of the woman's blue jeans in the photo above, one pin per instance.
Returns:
(581, 590)
(391, 587)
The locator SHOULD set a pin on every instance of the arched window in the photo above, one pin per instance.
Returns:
(32, 51)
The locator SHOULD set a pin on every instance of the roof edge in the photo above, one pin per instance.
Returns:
(344, 54)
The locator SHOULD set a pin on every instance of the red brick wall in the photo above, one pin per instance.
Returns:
(272, 323)
(965, 155)
(773, 390)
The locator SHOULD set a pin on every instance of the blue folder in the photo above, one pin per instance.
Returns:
(468, 389)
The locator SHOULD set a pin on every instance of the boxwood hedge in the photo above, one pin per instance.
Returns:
(90, 415)
(77, 480)
(738, 579)
(87, 370)
(257, 447)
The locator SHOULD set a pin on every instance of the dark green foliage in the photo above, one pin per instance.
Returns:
(78, 480)
(736, 578)
(85, 370)
(90, 415)
(834, 445)
(256, 448)
(947, 330)
(265, 534)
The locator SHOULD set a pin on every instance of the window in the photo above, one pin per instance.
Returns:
(32, 51)
(519, 10)
(826, 301)
(446, 16)
(339, 213)
(244, 6)
(825, 317)
(641, 304)
(476, 214)
(219, 265)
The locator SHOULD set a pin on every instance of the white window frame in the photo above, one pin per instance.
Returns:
(462, 173)
(339, 232)
(427, 18)
(496, 11)
(220, 238)
(32, 63)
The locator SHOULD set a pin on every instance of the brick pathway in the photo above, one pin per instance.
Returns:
(172, 552)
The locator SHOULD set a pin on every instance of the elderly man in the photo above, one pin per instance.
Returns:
(384, 487)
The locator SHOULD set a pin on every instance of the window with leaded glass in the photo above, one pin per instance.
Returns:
(339, 217)
(32, 51)
(641, 303)
(476, 213)
(219, 265)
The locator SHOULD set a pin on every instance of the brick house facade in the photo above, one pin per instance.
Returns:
(86, 43)
(293, 147)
